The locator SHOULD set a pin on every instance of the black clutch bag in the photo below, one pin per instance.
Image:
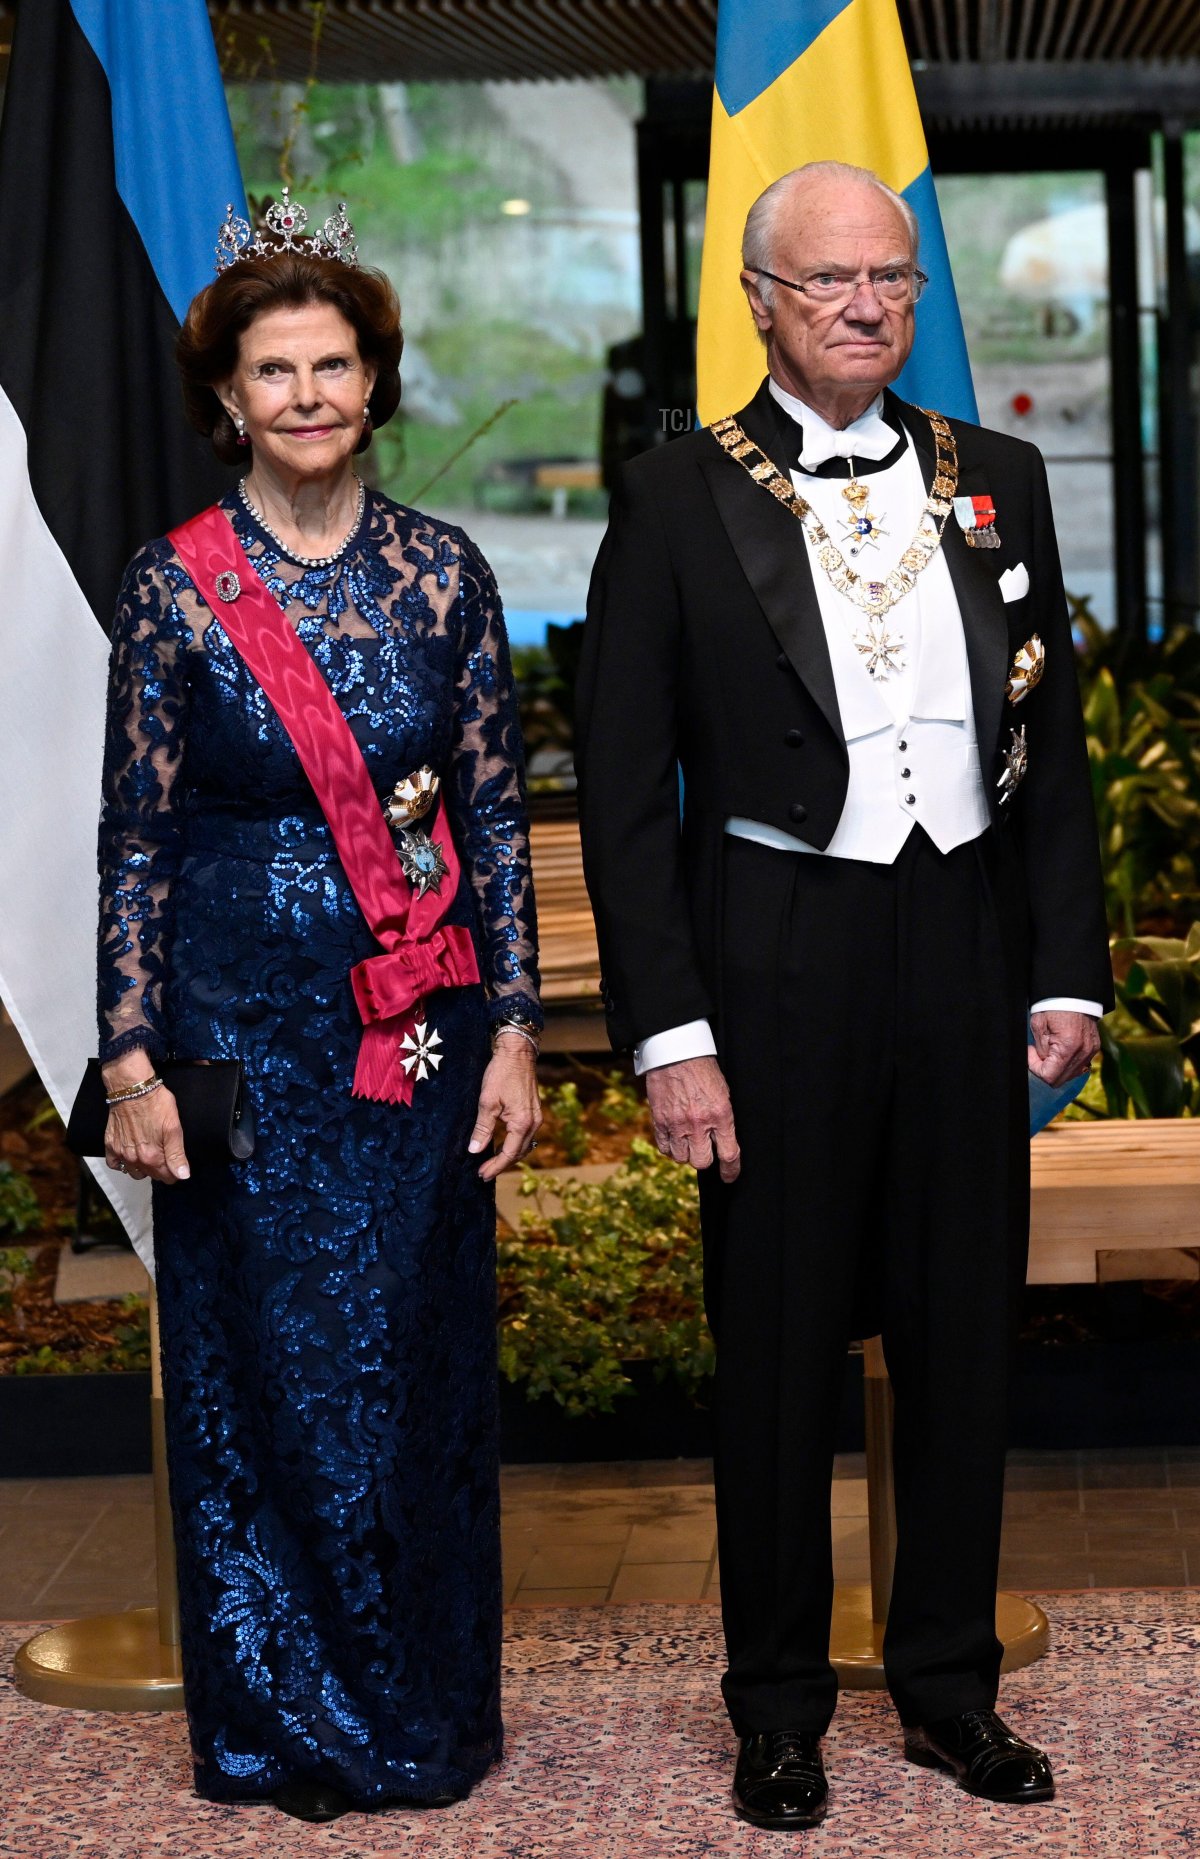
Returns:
(216, 1114)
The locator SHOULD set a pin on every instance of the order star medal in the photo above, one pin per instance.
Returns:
(862, 526)
(1016, 761)
(423, 861)
(418, 1051)
(881, 650)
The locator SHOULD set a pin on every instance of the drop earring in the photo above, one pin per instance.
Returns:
(240, 423)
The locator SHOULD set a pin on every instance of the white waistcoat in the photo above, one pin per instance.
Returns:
(911, 739)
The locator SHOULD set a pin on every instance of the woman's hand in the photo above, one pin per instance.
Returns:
(144, 1136)
(508, 1095)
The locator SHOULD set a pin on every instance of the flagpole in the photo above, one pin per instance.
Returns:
(860, 1609)
(118, 1662)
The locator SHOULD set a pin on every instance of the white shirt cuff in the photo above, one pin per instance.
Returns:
(1066, 1003)
(693, 1041)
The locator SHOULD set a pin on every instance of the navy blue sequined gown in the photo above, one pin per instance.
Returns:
(328, 1308)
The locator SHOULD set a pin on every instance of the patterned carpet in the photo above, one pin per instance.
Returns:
(618, 1749)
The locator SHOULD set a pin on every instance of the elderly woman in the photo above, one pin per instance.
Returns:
(328, 1305)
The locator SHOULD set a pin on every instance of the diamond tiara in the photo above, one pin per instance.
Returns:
(282, 232)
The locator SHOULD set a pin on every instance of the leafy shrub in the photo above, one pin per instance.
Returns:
(19, 1210)
(1149, 1060)
(564, 1106)
(614, 1276)
(1141, 706)
(125, 1349)
(15, 1266)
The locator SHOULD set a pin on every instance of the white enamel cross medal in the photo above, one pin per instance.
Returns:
(881, 650)
(418, 1051)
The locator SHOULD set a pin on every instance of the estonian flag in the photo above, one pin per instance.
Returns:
(117, 163)
(816, 80)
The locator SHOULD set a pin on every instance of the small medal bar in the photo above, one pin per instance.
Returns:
(977, 519)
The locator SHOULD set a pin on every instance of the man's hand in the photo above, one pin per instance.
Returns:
(692, 1115)
(1064, 1045)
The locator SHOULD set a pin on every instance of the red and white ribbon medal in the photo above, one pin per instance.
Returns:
(977, 519)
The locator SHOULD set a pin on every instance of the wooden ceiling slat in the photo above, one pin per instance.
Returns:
(1162, 29)
(453, 48)
(1030, 11)
(994, 45)
(1099, 14)
(470, 46)
(941, 33)
(566, 24)
(916, 34)
(674, 36)
(481, 39)
(1122, 26)
(1064, 43)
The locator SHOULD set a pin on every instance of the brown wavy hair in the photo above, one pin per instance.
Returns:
(206, 348)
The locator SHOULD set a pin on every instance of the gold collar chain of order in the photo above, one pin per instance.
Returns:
(875, 597)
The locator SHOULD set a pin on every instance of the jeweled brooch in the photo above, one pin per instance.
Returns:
(1028, 668)
(411, 799)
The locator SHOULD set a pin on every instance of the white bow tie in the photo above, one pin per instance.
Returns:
(869, 436)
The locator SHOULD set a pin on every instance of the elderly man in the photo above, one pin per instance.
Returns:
(844, 618)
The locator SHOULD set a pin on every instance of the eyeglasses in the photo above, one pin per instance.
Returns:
(899, 284)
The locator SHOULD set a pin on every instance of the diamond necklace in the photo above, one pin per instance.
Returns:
(307, 561)
(878, 646)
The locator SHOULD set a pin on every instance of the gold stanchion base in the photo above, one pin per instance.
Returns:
(114, 1662)
(856, 1640)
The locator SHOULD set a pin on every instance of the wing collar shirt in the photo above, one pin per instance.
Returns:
(914, 758)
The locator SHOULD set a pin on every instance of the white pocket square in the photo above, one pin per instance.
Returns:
(1014, 582)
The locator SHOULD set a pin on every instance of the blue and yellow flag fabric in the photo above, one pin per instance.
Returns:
(816, 80)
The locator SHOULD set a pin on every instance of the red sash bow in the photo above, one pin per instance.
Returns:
(420, 952)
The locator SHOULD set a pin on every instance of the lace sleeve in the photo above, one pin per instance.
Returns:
(139, 824)
(486, 797)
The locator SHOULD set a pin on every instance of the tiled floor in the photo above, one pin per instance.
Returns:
(575, 1535)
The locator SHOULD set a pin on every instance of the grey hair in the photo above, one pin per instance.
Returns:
(762, 221)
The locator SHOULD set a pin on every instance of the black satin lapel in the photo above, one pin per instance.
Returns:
(986, 629)
(769, 543)
(977, 588)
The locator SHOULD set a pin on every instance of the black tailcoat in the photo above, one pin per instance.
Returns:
(705, 651)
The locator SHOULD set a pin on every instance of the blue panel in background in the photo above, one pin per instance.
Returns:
(177, 167)
(937, 374)
(527, 626)
(758, 39)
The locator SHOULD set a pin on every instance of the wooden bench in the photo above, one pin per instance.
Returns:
(1114, 1201)
(566, 932)
(560, 477)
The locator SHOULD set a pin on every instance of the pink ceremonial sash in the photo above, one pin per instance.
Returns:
(420, 952)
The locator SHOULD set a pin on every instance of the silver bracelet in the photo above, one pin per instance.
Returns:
(138, 1090)
(522, 1031)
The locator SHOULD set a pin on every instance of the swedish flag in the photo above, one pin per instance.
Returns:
(816, 80)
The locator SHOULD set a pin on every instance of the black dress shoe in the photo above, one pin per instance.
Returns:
(981, 1750)
(305, 1800)
(779, 1781)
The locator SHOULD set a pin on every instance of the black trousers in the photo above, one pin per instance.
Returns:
(872, 1030)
